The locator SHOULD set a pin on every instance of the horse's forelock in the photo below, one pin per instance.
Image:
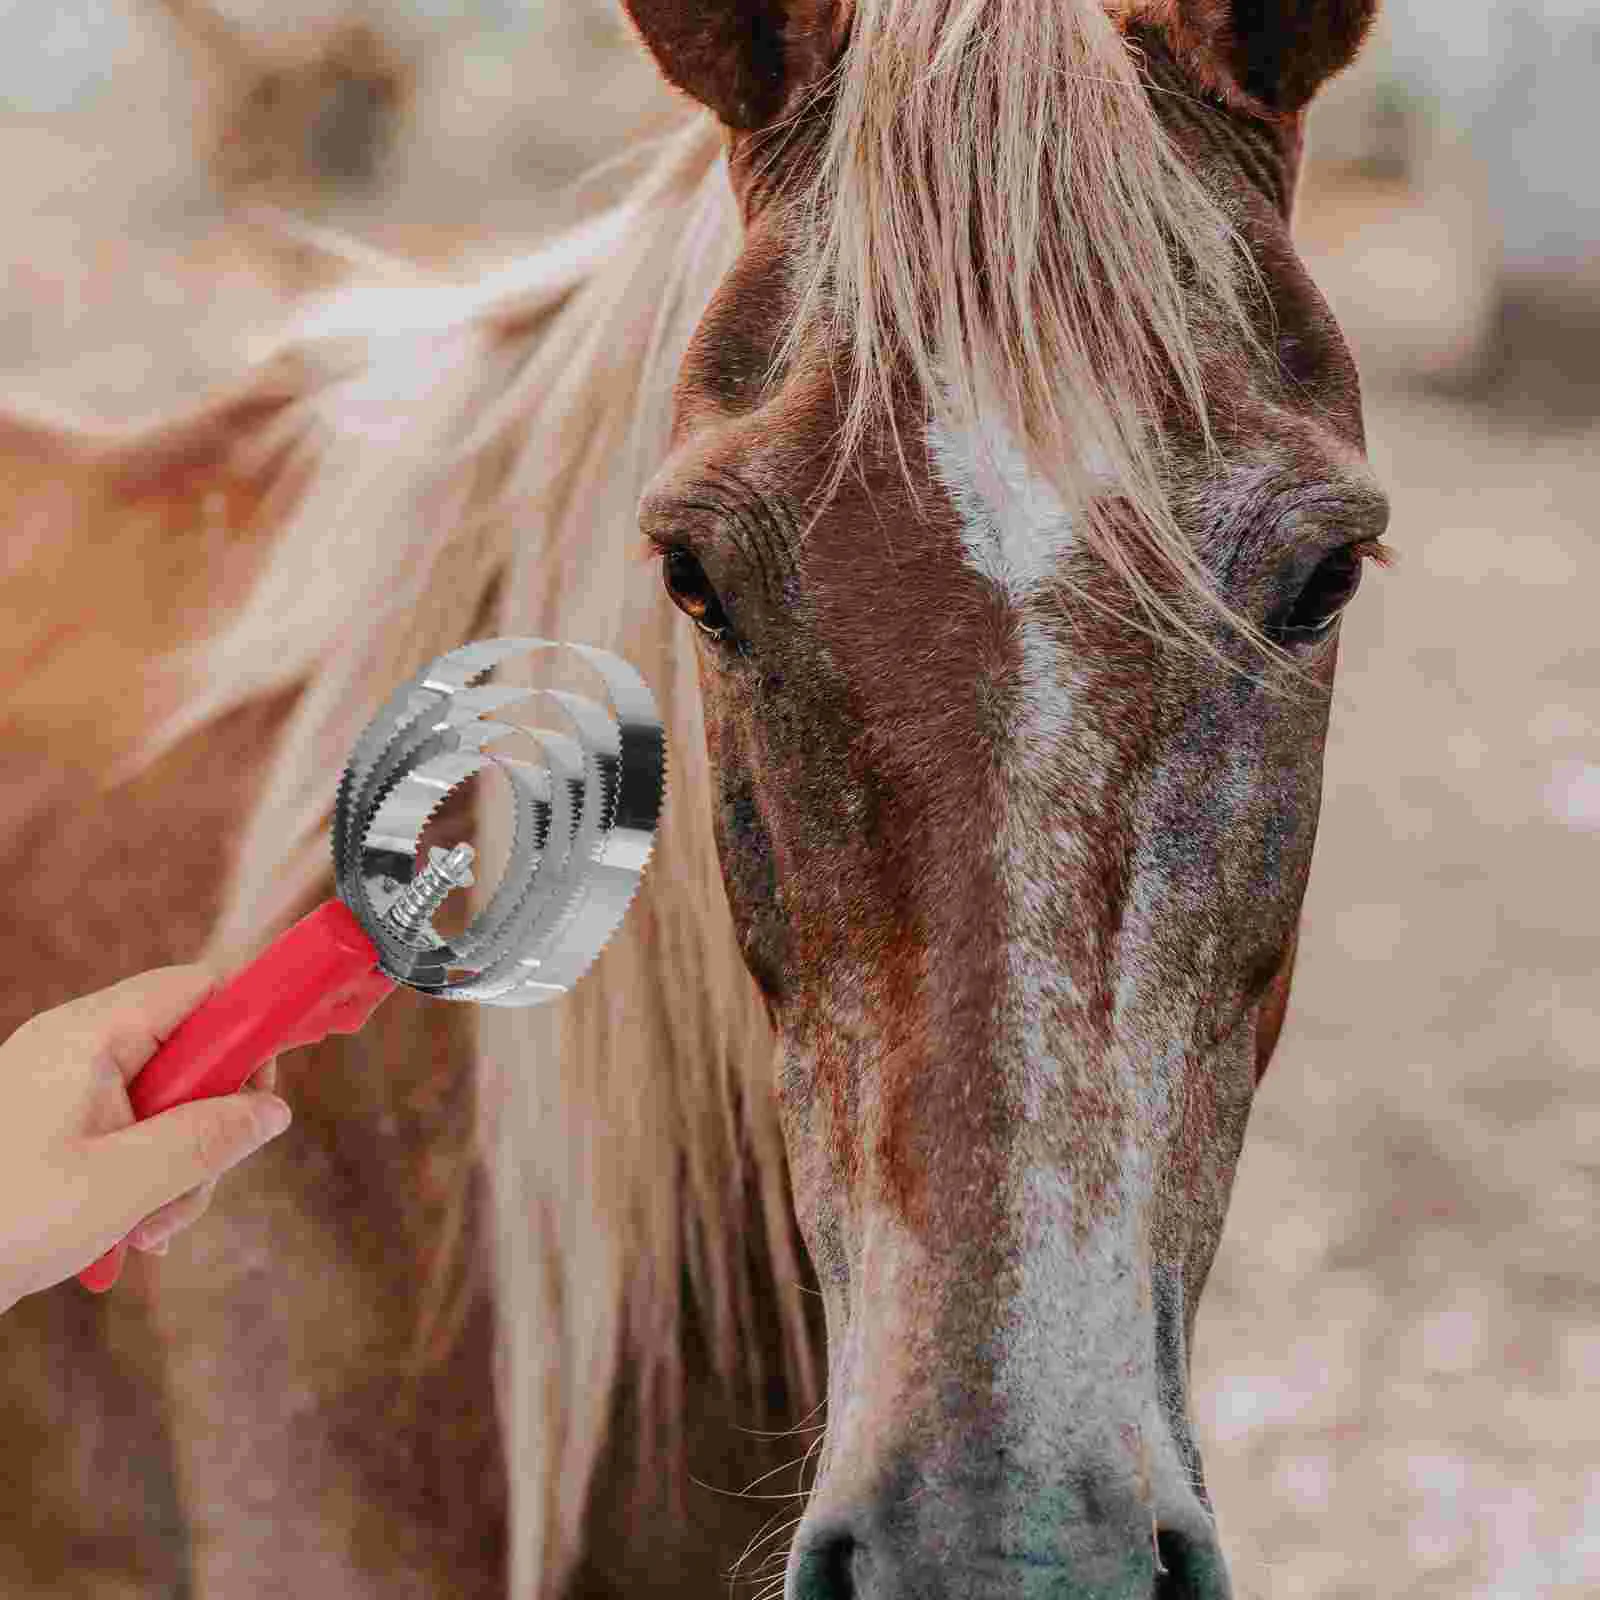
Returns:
(998, 215)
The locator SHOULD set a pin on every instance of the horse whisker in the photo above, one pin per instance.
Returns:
(773, 1528)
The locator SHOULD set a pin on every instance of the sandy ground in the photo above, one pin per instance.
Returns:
(1399, 1355)
(1398, 1364)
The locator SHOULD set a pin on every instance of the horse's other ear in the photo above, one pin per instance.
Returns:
(748, 60)
(1263, 55)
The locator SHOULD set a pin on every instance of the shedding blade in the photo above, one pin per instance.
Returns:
(583, 818)
(583, 828)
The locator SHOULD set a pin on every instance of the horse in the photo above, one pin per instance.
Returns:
(1008, 471)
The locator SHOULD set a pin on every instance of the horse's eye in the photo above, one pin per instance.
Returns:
(1327, 592)
(693, 595)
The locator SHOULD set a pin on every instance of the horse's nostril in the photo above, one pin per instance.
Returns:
(1192, 1568)
(825, 1568)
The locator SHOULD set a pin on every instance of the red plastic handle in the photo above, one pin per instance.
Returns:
(320, 977)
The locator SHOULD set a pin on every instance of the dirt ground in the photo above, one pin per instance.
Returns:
(1399, 1355)
(1398, 1363)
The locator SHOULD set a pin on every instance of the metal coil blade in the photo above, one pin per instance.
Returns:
(582, 818)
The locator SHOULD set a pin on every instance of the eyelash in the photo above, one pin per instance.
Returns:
(1316, 610)
(693, 593)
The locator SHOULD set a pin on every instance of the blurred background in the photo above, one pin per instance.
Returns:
(1398, 1364)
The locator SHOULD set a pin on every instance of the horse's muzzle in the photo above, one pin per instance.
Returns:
(1090, 1552)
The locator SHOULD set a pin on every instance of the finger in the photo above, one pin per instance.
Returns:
(141, 1168)
(172, 1218)
(124, 1024)
(266, 1077)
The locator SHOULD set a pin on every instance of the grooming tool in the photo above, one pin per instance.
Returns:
(583, 824)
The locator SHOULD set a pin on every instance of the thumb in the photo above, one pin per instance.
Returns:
(143, 1166)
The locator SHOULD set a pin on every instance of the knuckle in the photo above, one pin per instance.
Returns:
(224, 1137)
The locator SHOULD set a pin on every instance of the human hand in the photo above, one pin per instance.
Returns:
(77, 1172)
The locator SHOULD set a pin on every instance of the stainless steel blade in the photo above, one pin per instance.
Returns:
(583, 823)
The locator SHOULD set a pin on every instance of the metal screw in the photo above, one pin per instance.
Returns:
(409, 919)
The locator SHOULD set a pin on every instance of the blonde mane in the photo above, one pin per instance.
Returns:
(469, 460)
(997, 214)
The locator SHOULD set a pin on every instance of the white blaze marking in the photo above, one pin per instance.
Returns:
(1015, 529)
(1016, 532)
(1075, 1334)
(1046, 714)
(1078, 1322)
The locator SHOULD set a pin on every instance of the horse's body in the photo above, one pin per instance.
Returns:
(1000, 491)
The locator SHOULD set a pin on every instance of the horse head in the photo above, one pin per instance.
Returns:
(1017, 485)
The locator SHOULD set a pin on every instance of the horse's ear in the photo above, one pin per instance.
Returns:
(748, 60)
(1263, 55)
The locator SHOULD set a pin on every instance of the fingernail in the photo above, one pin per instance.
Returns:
(275, 1116)
(159, 1249)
